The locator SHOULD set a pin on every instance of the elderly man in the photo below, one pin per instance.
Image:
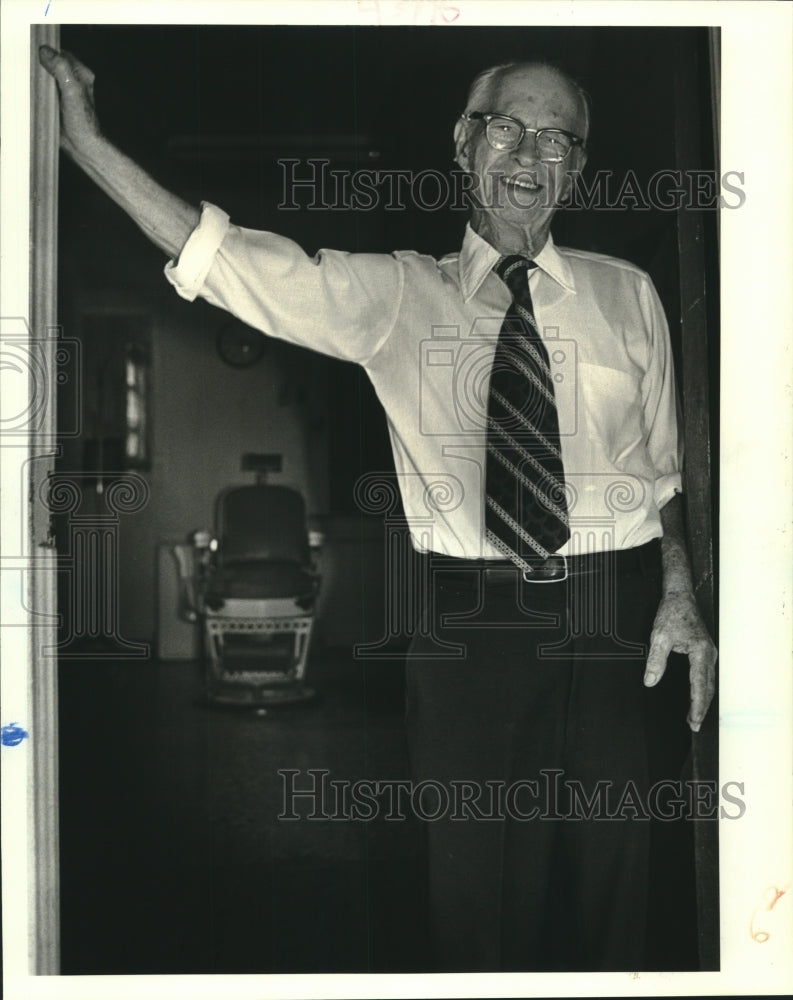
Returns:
(535, 384)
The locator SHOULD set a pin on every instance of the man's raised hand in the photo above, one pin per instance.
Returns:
(79, 124)
(165, 218)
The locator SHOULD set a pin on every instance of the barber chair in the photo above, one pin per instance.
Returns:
(253, 587)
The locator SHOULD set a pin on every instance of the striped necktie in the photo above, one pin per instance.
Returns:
(526, 516)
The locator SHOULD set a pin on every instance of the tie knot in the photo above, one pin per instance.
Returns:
(513, 270)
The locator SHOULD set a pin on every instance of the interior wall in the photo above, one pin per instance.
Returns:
(205, 414)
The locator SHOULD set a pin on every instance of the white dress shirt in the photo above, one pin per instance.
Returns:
(425, 330)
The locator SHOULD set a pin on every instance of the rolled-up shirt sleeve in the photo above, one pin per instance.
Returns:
(660, 403)
(338, 303)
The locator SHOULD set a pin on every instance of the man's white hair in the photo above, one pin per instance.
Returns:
(485, 82)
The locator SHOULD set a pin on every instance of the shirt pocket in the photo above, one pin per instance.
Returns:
(609, 408)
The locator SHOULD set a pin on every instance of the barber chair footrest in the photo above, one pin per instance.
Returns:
(252, 696)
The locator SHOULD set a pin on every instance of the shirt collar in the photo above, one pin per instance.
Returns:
(478, 258)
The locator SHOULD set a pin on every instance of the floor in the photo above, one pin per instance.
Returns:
(173, 856)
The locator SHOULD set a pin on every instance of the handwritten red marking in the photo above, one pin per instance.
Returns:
(778, 894)
(771, 895)
(414, 11)
(371, 7)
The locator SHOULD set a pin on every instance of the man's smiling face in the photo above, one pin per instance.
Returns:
(516, 188)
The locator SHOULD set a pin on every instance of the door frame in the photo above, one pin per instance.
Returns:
(28, 435)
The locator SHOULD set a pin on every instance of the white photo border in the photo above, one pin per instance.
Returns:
(755, 486)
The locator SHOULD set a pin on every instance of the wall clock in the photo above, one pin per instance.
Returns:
(239, 345)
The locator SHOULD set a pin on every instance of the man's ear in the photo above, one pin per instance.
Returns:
(461, 144)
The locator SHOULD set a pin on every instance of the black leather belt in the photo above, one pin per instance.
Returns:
(556, 569)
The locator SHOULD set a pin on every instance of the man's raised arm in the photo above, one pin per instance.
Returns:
(163, 217)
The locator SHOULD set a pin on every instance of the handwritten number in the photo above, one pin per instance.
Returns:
(771, 895)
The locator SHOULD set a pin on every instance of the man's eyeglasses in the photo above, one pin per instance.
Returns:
(504, 133)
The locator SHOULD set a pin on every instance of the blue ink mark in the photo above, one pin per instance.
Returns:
(13, 735)
(48, 8)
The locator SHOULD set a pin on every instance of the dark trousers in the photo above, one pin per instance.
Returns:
(547, 704)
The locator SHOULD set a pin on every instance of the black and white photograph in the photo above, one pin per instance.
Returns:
(396, 499)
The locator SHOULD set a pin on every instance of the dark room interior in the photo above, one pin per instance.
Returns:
(173, 859)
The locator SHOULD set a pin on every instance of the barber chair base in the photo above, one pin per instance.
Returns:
(253, 696)
(255, 661)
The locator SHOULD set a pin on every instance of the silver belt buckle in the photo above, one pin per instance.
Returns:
(532, 578)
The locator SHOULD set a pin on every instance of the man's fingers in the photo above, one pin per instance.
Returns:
(47, 55)
(79, 125)
(64, 67)
(83, 73)
(55, 63)
(660, 649)
(702, 676)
